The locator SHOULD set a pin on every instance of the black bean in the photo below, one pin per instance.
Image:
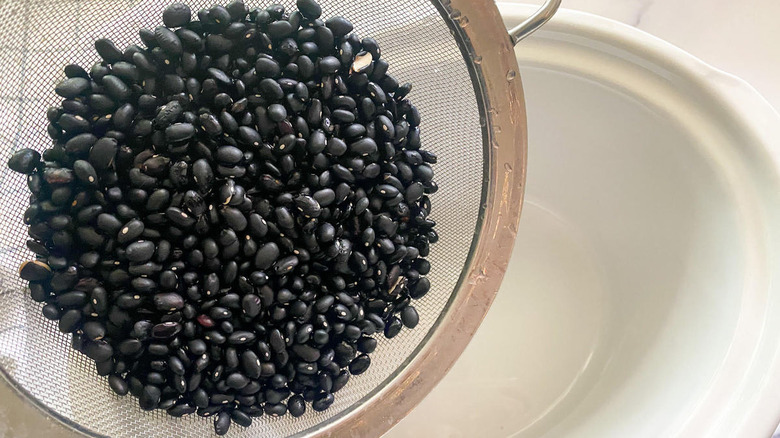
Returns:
(229, 123)
(52, 312)
(329, 65)
(35, 271)
(324, 38)
(75, 71)
(140, 252)
(71, 300)
(322, 401)
(364, 146)
(275, 410)
(108, 51)
(73, 124)
(340, 26)
(116, 88)
(168, 302)
(229, 155)
(308, 206)
(165, 330)
(271, 89)
(266, 255)
(130, 231)
(176, 15)
(241, 418)
(72, 87)
(130, 347)
(277, 112)
(241, 338)
(103, 153)
(201, 398)
(267, 68)
(197, 346)
(181, 410)
(249, 136)
(410, 317)
(168, 114)
(309, 8)
(237, 381)
(179, 132)
(343, 116)
(168, 41)
(118, 385)
(202, 174)
(149, 398)
(98, 350)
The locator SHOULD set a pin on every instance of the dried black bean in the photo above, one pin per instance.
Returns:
(222, 423)
(165, 330)
(72, 87)
(271, 89)
(70, 321)
(176, 15)
(108, 51)
(35, 271)
(168, 41)
(118, 385)
(322, 401)
(149, 398)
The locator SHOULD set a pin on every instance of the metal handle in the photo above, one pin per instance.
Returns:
(535, 21)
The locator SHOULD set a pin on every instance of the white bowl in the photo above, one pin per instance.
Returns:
(643, 298)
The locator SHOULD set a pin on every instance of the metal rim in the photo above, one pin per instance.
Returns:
(479, 29)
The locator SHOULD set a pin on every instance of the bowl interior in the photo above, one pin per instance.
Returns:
(640, 255)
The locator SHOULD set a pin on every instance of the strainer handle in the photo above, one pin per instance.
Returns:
(535, 21)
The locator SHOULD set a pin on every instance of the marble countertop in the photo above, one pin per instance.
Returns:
(737, 37)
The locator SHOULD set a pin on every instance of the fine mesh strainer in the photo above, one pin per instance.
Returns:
(461, 62)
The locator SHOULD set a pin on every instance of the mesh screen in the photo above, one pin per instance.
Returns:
(37, 38)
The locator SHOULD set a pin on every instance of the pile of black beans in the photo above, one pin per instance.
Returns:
(229, 215)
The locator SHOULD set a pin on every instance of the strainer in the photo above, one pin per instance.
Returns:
(461, 62)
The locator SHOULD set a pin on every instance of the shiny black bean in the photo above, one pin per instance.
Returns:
(322, 401)
(360, 364)
(165, 330)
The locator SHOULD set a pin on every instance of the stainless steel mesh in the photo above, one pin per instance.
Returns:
(39, 37)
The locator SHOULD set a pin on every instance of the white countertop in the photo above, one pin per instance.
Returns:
(739, 37)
